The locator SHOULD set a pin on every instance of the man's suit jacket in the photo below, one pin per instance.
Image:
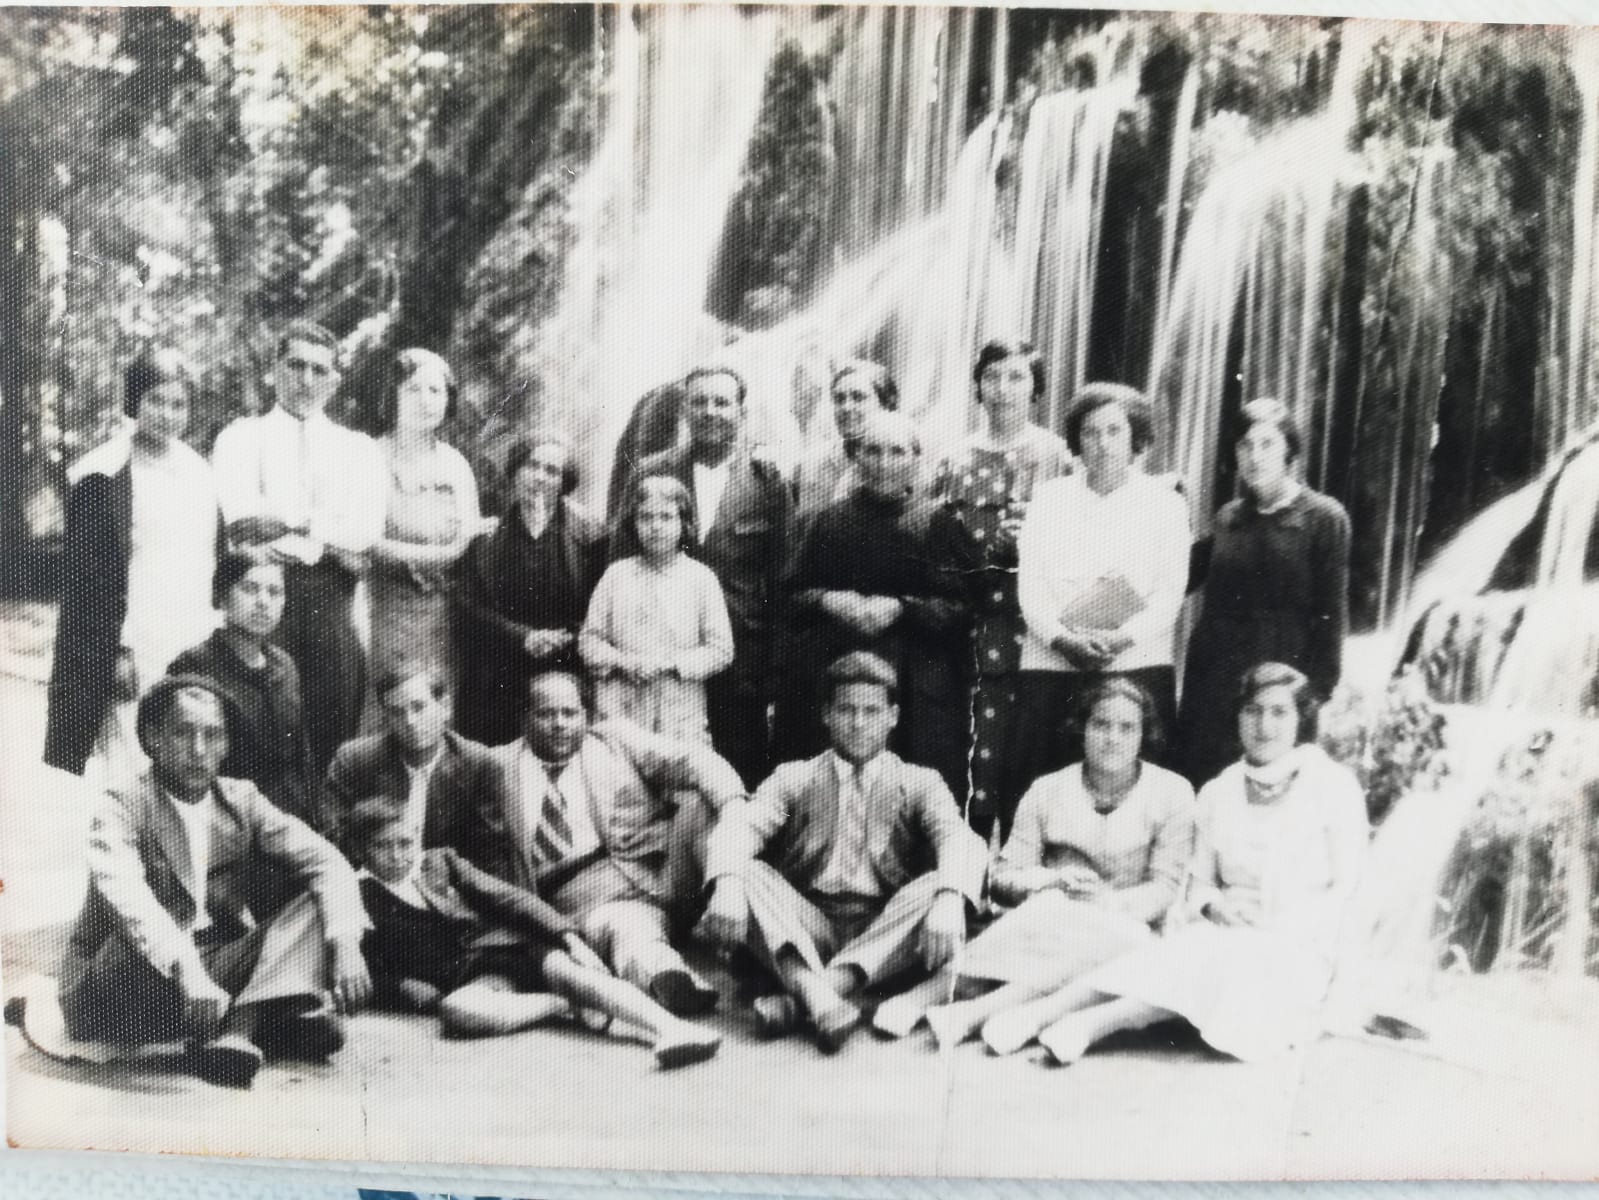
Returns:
(913, 827)
(745, 547)
(630, 775)
(371, 766)
(142, 888)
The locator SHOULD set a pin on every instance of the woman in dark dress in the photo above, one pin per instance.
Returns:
(267, 742)
(883, 570)
(524, 588)
(1277, 589)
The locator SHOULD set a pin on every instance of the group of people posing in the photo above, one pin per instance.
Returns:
(899, 736)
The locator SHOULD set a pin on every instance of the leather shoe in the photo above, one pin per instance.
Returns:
(305, 1037)
(678, 993)
(228, 1061)
(776, 1015)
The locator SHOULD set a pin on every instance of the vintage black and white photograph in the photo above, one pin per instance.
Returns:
(967, 592)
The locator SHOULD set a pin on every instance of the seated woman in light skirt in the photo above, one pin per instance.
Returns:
(1096, 855)
(1248, 954)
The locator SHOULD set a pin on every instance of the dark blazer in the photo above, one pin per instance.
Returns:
(94, 603)
(142, 890)
(371, 766)
(745, 548)
(913, 827)
(491, 592)
(268, 740)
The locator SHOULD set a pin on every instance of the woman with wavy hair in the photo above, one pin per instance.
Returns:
(433, 515)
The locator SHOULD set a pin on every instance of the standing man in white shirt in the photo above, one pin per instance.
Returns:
(167, 947)
(742, 509)
(297, 489)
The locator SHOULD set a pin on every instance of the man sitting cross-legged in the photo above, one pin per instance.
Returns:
(451, 938)
(166, 947)
(603, 822)
(846, 869)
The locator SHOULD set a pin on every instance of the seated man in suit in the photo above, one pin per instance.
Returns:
(489, 957)
(439, 777)
(602, 822)
(846, 869)
(166, 946)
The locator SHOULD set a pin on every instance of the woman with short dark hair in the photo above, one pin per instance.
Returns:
(1102, 560)
(433, 515)
(522, 589)
(1277, 589)
(267, 740)
(1248, 955)
(988, 481)
(142, 534)
(1095, 858)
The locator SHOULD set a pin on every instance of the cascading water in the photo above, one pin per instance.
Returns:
(685, 90)
(1254, 251)
(952, 222)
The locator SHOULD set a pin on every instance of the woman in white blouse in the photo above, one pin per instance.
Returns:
(1102, 563)
(657, 625)
(1249, 951)
(433, 514)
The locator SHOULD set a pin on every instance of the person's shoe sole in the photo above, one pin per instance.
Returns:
(682, 1054)
(775, 1016)
(305, 1038)
(833, 1028)
(227, 1066)
(678, 994)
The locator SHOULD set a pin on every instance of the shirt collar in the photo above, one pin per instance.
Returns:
(1295, 490)
(552, 770)
(283, 416)
(869, 771)
(426, 768)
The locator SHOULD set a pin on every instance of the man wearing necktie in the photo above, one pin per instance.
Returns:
(846, 870)
(604, 822)
(297, 489)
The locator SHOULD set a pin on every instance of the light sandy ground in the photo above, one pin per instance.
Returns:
(1489, 1095)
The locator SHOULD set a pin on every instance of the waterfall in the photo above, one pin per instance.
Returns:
(685, 91)
(1252, 268)
(1048, 290)
(1577, 404)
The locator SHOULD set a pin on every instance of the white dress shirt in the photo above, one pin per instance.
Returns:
(327, 483)
(709, 484)
(416, 797)
(534, 780)
(196, 819)
(1073, 539)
